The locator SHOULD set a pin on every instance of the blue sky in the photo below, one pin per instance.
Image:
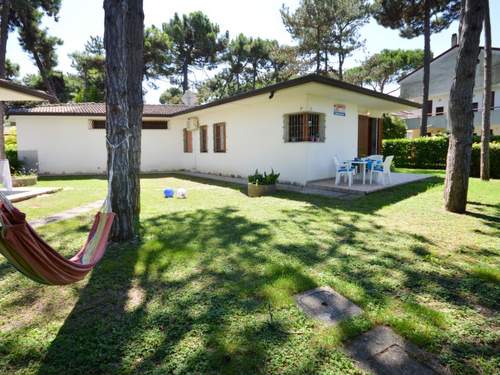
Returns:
(80, 19)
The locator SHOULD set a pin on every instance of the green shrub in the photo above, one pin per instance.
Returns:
(431, 152)
(394, 127)
(263, 179)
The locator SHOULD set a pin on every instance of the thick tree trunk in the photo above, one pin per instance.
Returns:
(486, 123)
(461, 116)
(4, 35)
(45, 76)
(427, 69)
(123, 38)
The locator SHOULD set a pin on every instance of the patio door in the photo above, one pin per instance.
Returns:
(369, 136)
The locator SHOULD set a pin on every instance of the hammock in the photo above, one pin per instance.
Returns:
(36, 259)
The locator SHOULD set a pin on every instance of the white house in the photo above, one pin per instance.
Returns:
(294, 127)
(442, 73)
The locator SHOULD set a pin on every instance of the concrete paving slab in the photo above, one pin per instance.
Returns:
(326, 305)
(382, 351)
(19, 194)
(69, 214)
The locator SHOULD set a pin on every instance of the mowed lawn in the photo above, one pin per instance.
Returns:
(209, 287)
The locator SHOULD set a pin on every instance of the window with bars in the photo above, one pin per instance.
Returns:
(146, 125)
(188, 141)
(220, 137)
(304, 127)
(203, 138)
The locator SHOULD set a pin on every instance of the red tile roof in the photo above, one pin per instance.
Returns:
(94, 109)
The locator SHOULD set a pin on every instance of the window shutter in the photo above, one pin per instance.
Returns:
(223, 127)
(286, 129)
(322, 127)
(214, 126)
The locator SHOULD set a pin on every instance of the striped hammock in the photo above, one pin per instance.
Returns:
(33, 257)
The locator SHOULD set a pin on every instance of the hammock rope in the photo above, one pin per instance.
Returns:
(32, 256)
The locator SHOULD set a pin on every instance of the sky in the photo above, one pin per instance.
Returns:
(79, 19)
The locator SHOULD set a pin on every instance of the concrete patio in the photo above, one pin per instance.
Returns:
(19, 194)
(358, 187)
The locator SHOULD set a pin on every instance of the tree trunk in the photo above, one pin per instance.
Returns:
(45, 76)
(461, 116)
(185, 78)
(123, 38)
(340, 73)
(4, 35)
(427, 68)
(318, 51)
(254, 75)
(487, 104)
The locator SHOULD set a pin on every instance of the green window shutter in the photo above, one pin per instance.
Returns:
(286, 136)
(322, 127)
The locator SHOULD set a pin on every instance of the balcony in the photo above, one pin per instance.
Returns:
(441, 122)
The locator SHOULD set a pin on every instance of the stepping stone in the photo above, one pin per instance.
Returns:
(327, 305)
(382, 351)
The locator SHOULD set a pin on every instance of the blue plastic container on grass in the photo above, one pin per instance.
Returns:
(168, 193)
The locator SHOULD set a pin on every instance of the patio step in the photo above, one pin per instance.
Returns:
(321, 185)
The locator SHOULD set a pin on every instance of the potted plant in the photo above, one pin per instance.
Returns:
(262, 184)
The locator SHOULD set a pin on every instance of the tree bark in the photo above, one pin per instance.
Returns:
(4, 35)
(427, 68)
(461, 116)
(45, 77)
(123, 38)
(487, 104)
(185, 77)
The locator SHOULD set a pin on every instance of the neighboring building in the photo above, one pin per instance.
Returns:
(294, 127)
(441, 78)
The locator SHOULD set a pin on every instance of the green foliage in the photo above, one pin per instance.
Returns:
(430, 152)
(196, 42)
(407, 16)
(325, 28)
(394, 127)
(172, 95)
(11, 70)
(263, 179)
(89, 64)
(63, 84)
(385, 67)
(157, 58)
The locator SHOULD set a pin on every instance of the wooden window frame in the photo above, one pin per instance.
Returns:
(304, 127)
(187, 141)
(440, 111)
(97, 124)
(221, 139)
(203, 139)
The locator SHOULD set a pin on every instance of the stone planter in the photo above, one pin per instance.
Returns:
(20, 181)
(260, 190)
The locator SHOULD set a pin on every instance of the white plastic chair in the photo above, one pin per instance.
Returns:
(383, 169)
(343, 169)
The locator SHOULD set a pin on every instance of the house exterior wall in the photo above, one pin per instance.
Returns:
(254, 138)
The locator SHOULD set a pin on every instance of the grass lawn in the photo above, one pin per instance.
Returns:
(208, 288)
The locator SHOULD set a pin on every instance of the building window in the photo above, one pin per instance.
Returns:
(439, 111)
(188, 141)
(475, 106)
(97, 124)
(155, 125)
(429, 107)
(203, 138)
(220, 137)
(304, 127)
(493, 100)
(147, 125)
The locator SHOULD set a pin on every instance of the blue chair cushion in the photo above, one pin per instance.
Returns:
(344, 169)
(378, 167)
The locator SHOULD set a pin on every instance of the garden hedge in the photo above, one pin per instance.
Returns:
(430, 152)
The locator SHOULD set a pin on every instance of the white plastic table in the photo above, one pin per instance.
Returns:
(362, 164)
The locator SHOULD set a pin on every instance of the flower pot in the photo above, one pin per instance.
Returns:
(260, 190)
(20, 181)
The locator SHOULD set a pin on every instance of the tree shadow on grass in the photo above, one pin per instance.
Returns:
(192, 297)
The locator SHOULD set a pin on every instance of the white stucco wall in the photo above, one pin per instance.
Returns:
(254, 129)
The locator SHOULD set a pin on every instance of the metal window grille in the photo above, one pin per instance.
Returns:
(304, 127)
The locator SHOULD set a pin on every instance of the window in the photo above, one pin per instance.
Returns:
(203, 138)
(439, 111)
(220, 137)
(188, 141)
(304, 127)
(493, 100)
(98, 124)
(155, 125)
(429, 107)
(147, 125)
(475, 106)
